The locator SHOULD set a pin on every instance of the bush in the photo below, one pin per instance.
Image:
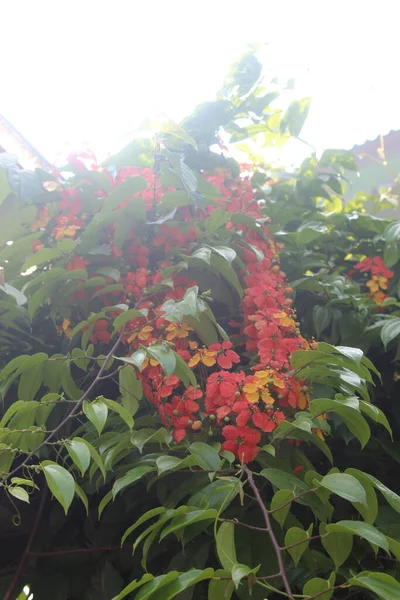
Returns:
(157, 389)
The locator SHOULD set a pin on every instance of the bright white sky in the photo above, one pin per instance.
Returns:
(93, 69)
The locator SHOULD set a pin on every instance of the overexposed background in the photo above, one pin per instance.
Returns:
(92, 70)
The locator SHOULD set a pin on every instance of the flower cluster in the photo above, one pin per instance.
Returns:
(379, 276)
(237, 402)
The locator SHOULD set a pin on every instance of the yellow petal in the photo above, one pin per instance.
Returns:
(267, 398)
(194, 360)
(252, 397)
(209, 361)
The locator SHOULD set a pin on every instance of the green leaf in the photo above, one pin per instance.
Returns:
(391, 497)
(390, 331)
(5, 189)
(344, 485)
(226, 270)
(156, 584)
(350, 416)
(285, 481)
(296, 115)
(23, 481)
(121, 411)
(368, 511)
(104, 502)
(322, 317)
(41, 256)
(239, 572)
(279, 498)
(220, 589)
(126, 316)
(96, 458)
(363, 530)
(225, 541)
(316, 586)
(381, 584)
(218, 218)
(60, 482)
(130, 388)
(19, 493)
(173, 463)
(181, 583)
(192, 516)
(294, 535)
(132, 476)
(96, 412)
(79, 453)
(154, 512)
(82, 496)
(375, 413)
(206, 456)
(133, 585)
(337, 544)
(145, 436)
(164, 355)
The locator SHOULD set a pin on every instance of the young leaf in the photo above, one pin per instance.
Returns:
(279, 498)
(19, 493)
(337, 544)
(96, 412)
(60, 482)
(121, 411)
(80, 454)
(294, 535)
(317, 586)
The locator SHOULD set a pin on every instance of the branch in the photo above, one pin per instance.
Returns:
(26, 554)
(81, 551)
(74, 411)
(278, 552)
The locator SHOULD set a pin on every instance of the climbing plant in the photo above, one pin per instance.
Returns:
(170, 426)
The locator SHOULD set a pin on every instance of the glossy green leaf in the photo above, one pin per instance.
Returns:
(220, 589)
(132, 476)
(79, 453)
(206, 456)
(192, 516)
(60, 482)
(363, 530)
(381, 584)
(344, 485)
(120, 410)
(133, 585)
(96, 412)
(164, 355)
(19, 493)
(82, 496)
(130, 388)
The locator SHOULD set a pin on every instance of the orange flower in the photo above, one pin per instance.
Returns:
(177, 330)
(257, 389)
(142, 334)
(65, 328)
(203, 355)
(69, 231)
(376, 283)
(285, 320)
(42, 219)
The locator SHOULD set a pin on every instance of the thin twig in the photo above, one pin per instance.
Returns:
(244, 524)
(278, 552)
(305, 541)
(80, 551)
(292, 500)
(26, 554)
(74, 411)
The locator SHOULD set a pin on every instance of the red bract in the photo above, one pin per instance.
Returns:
(226, 357)
(242, 441)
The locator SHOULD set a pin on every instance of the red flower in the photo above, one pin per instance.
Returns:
(242, 441)
(101, 333)
(226, 357)
(77, 262)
